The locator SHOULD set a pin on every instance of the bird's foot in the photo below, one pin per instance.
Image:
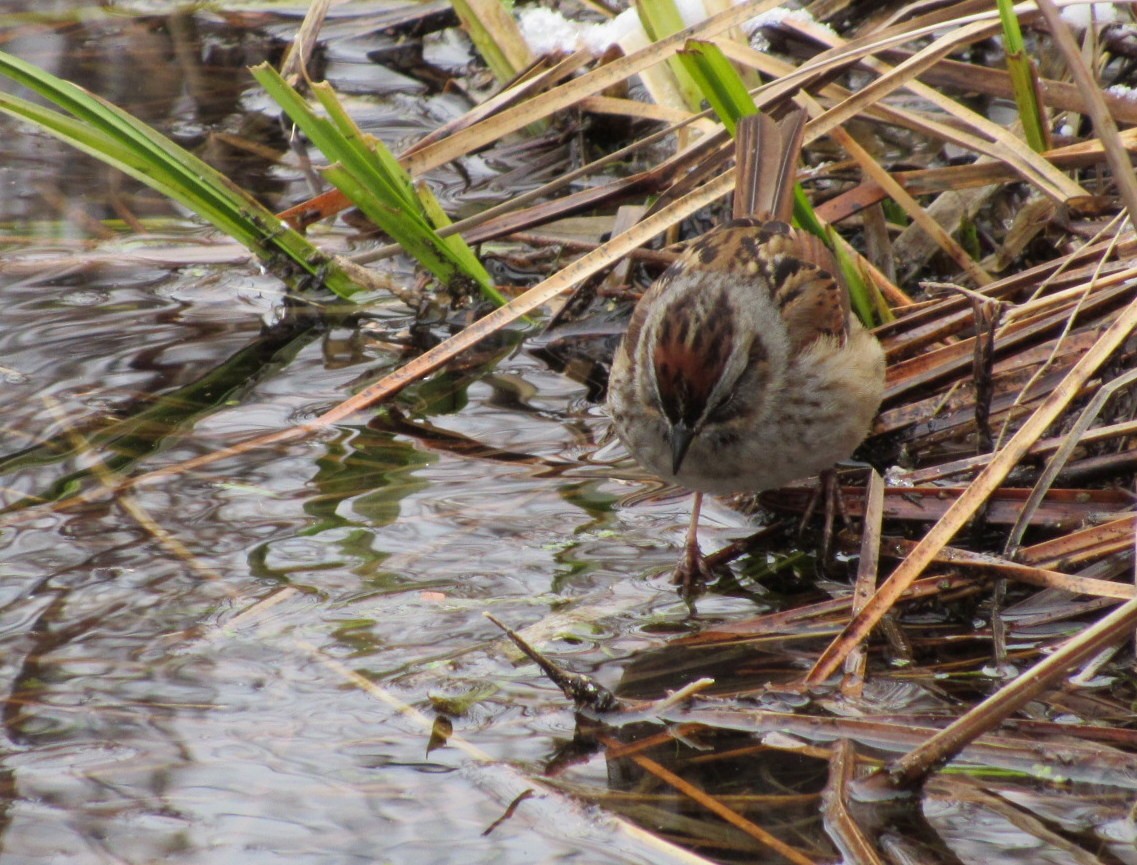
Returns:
(829, 488)
(692, 572)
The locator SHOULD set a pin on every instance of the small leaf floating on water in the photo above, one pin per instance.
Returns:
(439, 733)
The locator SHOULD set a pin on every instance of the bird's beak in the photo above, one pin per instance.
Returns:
(681, 438)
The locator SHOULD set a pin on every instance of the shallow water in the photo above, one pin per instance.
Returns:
(171, 659)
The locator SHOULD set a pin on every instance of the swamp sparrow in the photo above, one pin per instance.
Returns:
(743, 368)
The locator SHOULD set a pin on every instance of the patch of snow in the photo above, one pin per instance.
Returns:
(1122, 91)
(549, 32)
(1083, 15)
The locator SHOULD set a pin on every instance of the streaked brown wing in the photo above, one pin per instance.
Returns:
(810, 301)
(811, 297)
(795, 267)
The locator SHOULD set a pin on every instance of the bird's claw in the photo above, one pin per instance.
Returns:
(692, 572)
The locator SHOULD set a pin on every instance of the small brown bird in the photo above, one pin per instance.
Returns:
(743, 368)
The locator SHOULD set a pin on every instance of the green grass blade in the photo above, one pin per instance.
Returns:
(418, 204)
(438, 218)
(804, 215)
(718, 80)
(495, 35)
(364, 155)
(115, 137)
(1024, 79)
(370, 176)
(862, 295)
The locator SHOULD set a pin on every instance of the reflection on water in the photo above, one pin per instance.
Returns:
(164, 657)
(182, 73)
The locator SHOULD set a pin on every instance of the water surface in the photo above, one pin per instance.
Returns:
(170, 655)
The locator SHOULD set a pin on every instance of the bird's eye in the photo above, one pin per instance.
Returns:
(726, 409)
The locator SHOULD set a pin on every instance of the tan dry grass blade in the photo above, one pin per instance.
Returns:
(853, 51)
(912, 207)
(981, 173)
(973, 498)
(1030, 574)
(867, 574)
(570, 93)
(294, 66)
(841, 824)
(930, 15)
(1089, 544)
(529, 84)
(914, 766)
(632, 108)
(957, 75)
(990, 139)
(925, 181)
